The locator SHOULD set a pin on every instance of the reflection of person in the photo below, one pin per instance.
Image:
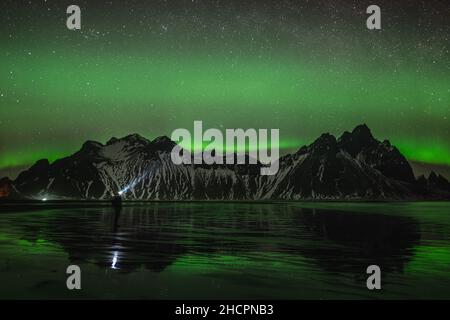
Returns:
(117, 204)
(117, 211)
(117, 201)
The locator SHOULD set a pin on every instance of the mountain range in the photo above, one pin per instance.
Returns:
(355, 166)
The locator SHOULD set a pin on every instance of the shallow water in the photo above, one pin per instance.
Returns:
(228, 250)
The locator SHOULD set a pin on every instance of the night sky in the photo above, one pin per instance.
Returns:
(149, 67)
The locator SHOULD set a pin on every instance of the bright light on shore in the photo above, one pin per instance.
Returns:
(44, 199)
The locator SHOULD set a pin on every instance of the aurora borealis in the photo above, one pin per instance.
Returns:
(305, 67)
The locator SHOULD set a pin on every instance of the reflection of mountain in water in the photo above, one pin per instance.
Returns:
(358, 240)
(154, 236)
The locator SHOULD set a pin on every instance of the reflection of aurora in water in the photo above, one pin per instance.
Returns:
(355, 236)
(275, 245)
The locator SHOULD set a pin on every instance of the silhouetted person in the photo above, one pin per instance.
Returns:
(117, 201)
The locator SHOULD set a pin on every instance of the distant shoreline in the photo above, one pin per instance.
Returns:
(20, 205)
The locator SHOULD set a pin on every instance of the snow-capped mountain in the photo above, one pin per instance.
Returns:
(355, 166)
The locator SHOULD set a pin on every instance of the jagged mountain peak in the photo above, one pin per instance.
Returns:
(325, 143)
(122, 148)
(162, 143)
(118, 148)
(325, 138)
(354, 142)
(434, 181)
(433, 175)
(362, 131)
(112, 141)
(91, 146)
(129, 138)
(135, 137)
(42, 163)
(162, 140)
(437, 178)
(387, 143)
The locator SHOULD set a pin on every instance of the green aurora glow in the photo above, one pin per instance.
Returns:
(60, 88)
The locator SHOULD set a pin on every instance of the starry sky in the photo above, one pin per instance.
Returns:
(149, 67)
